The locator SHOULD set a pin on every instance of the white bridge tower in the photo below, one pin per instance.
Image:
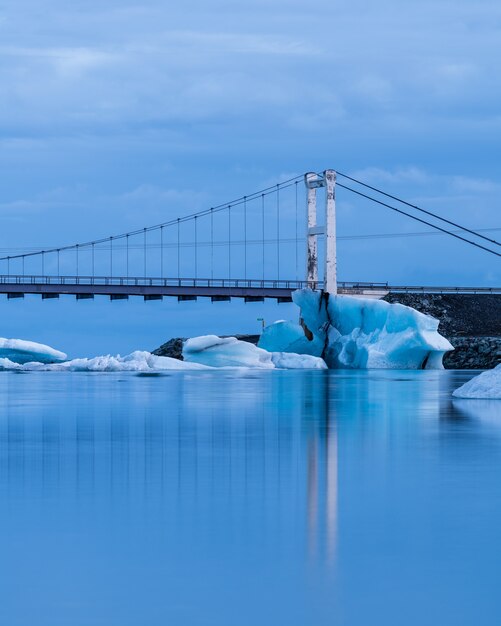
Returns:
(313, 182)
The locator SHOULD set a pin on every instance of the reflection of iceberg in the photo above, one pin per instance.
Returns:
(20, 351)
(230, 352)
(485, 385)
(483, 411)
(359, 333)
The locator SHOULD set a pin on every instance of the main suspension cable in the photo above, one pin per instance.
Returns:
(220, 207)
(418, 219)
(414, 206)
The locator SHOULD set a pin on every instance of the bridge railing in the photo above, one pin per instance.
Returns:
(134, 281)
(443, 289)
(230, 283)
(178, 282)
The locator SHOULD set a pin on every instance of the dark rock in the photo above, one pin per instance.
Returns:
(172, 348)
(473, 353)
(248, 338)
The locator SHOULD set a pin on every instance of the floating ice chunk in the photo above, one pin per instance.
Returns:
(291, 361)
(288, 337)
(21, 351)
(359, 333)
(135, 362)
(7, 364)
(225, 352)
(485, 385)
(368, 333)
(230, 352)
(138, 361)
(309, 338)
(204, 353)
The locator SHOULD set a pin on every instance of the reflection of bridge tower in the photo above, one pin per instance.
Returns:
(322, 473)
(313, 182)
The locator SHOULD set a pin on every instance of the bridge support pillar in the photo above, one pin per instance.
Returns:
(313, 182)
(330, 280)
(310, 180)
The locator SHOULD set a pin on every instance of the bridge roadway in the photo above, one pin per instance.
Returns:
(118, 288)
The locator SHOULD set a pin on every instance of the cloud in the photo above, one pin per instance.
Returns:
(419, 177)
(112, 66)
(465, 184)
(243, 43)
(399, 175)
(374, 88)
(97, 98)
(154, 198)
(16, 207)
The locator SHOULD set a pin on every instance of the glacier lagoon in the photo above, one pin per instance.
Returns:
(248, 497)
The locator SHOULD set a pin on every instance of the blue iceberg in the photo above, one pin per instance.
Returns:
(359, 333)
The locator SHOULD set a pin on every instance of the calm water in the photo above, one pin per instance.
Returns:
(257, 498)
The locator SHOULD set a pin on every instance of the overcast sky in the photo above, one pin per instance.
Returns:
(117, 115)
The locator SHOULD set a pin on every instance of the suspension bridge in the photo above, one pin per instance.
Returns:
(262, 245)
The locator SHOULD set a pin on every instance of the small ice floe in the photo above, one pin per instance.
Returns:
(139, 361)
(215, 351)
(485, 385)
(20, 351)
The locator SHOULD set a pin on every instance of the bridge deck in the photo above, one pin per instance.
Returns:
(155, 288)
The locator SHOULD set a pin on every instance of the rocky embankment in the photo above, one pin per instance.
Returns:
(471, 322)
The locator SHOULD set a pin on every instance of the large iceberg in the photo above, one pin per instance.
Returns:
(485, 385)
(21, 351)
(359, 333)
(230, 352)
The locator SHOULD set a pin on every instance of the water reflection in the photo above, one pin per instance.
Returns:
(207, 482)
(185, 439)
(322, 468)
(194, 438)
(485, 412)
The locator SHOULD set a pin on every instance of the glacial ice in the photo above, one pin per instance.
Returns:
(225, 352)
(201, 353)
(359, 333)
(139, 361)
(217, 351)
(485, 385)
(289, 337)
(21, 351)
(338, 331)
(291, 361)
